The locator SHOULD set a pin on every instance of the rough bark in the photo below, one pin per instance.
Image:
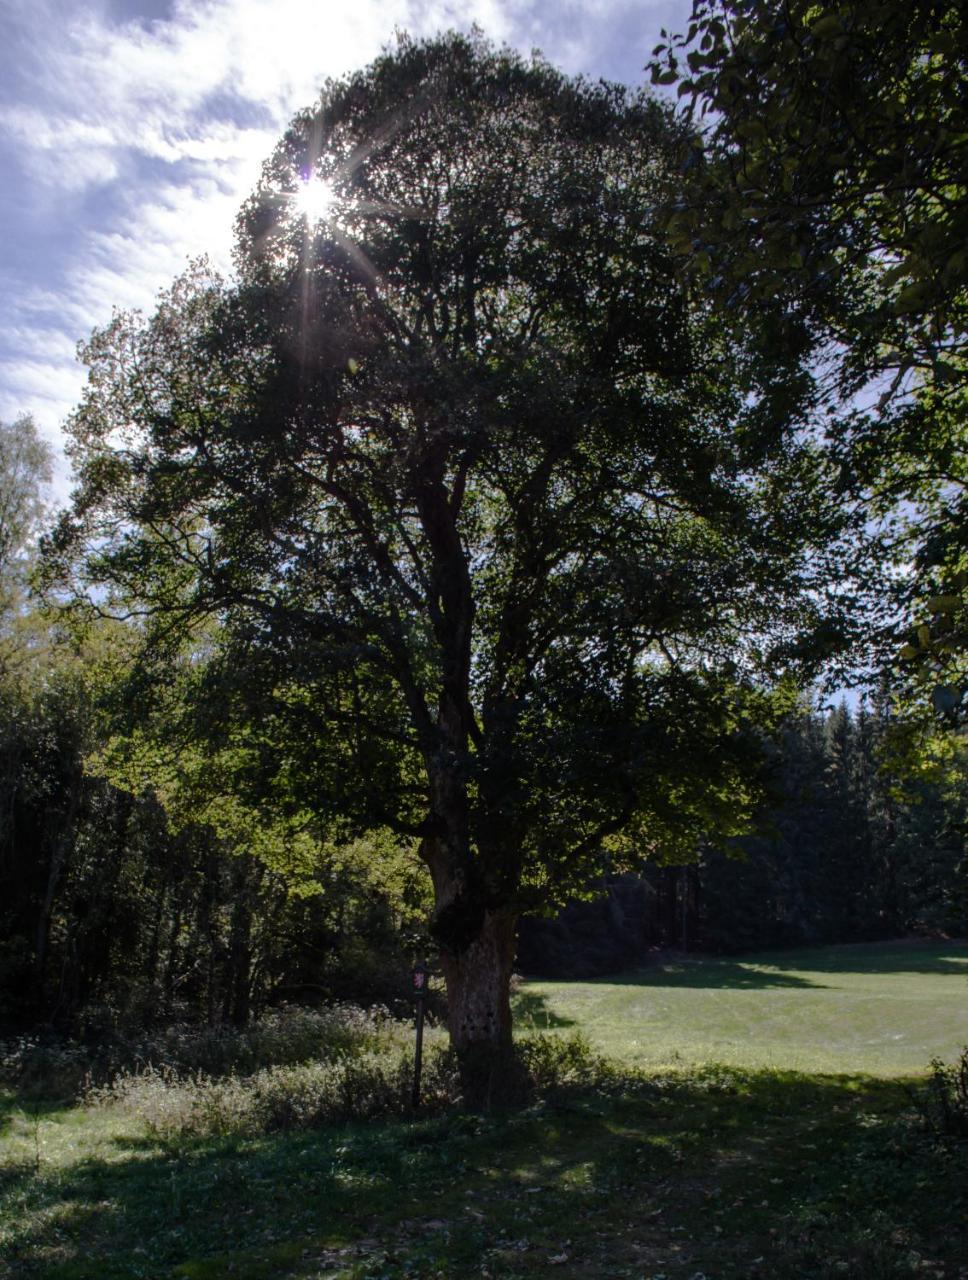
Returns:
(478, 978)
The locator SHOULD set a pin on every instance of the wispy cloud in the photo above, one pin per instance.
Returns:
(135, 141)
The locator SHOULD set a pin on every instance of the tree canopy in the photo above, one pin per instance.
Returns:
(25, 473)
(493, 517)
(827, 166)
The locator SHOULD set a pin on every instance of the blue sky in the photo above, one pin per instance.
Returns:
(131, 131)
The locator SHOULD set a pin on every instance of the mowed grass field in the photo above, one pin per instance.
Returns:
(879, 1009)
(817, 1166)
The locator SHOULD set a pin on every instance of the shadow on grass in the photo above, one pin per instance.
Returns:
(790, 969)
(720, 1167)
(916, 955)
(705, 972)
(533, 1013)
(27, 1107)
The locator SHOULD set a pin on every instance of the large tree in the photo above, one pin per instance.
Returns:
(489, 513)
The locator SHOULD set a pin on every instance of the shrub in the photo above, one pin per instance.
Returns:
(943, 1102)
(363, 1084)
(358, 1086)
(551, 1063)
(52, 1066)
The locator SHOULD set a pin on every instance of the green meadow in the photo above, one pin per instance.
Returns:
(871, 1009)
(761, 1119)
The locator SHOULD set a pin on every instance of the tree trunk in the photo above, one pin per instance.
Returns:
(62, 847)
(239, 985)
(478, 981)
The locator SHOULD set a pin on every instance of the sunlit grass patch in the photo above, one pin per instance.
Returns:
(878, 1009)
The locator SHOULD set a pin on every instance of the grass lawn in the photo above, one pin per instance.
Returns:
(881, 1009)
(744, 1173)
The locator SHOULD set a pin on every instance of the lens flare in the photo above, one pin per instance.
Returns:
(315, 200)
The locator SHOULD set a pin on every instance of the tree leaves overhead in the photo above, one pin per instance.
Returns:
(826, 176)
(840, 132)
(466, 441)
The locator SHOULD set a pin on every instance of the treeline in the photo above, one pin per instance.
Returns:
(844, 853)
(849, 853)
(113, 917)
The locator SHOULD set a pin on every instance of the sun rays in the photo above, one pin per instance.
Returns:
(315, 200)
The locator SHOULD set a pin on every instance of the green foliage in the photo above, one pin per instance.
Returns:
(693, 1173)
(554, 1063)
(358, 1068)
(25, 472)
(943, 1101)
(364, 1085)
(835, 167)
(826, 177)
(125, 904)
(861, 835)
(864, 837)
(50, 1066)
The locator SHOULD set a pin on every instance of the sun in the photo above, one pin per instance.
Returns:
(315, 200)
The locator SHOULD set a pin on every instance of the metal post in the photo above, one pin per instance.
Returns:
(419, 977)
(418, 1055)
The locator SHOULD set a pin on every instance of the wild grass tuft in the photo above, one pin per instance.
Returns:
(361, 1086)
(52, 1066)
(370, 1081)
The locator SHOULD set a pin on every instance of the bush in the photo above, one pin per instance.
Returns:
(53, 1066)
(364, 1083)
(553, 1063)
(943, 1102)
(358, 1086)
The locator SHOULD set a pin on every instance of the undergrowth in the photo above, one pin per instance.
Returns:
(375, 1081)
(713, 1172)
(51, 1066)
(943, 1099)
(361, 1086)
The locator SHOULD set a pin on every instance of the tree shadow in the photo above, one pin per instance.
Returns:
(140, 1207)
(789, 969)
(714, 974)
(26, 1105)
(916, 955)
(533, 1012)
(719, 1165)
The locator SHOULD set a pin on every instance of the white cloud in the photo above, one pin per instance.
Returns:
(46, 380)
(48, 131)
(140, 141)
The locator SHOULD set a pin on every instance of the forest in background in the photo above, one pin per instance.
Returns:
(116, 919)
(119, 913)
(843, 852)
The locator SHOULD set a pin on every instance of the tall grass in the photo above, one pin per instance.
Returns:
(360, 1086)
(295, 1068)
(51, 1066)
